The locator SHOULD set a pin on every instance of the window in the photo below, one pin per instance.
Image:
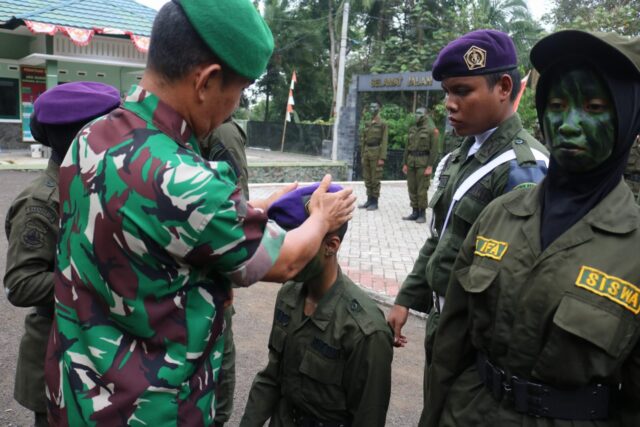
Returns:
(9, 98)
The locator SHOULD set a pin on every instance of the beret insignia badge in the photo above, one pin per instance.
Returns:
(475, 58)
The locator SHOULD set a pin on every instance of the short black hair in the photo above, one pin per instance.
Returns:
(340, 232)
(514, 73)
(176, 48)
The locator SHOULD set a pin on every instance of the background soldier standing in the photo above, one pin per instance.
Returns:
(32, 229)
(228, 144)
(417, 163)
(373, 149)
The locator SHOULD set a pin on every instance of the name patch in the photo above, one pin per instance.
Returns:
(490, 248)
(611, 287)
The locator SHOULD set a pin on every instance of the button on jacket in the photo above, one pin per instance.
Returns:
(566, 317)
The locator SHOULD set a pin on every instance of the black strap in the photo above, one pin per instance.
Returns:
(540, 400)
(302, 419)
(375, 144)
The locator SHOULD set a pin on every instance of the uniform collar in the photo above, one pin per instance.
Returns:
(326, 306)
(501, 137)
(616, 213)
(151, 109)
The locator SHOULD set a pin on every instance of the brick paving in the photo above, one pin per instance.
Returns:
(379, 248)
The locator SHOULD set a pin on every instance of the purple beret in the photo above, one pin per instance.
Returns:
(289, 210)
(75, 102)
(476, 53)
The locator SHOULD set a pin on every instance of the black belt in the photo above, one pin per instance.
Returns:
(301, 419)
(418, 153)
(45, 311)
(632, 177)
(373, 145)
(540, 400)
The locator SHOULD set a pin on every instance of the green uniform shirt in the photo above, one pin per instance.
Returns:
(422, 144)
(32, 231)
(374, 140)
(433, 265)
(632, 171)
(566, 317)
(151, 237)
(228, 143)
(333, 366)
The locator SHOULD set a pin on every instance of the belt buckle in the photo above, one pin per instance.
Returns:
(535, 402)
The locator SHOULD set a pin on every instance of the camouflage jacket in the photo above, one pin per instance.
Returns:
(151, 237)
(334, 366)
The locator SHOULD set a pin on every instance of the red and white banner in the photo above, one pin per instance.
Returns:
(290, 102)
(82, 36)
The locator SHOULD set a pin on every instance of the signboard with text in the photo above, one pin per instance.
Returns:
(414, 81)
(33, 84)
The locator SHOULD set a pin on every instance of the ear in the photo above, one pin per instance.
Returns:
(204, 75)
(505, 86)
(331, 245)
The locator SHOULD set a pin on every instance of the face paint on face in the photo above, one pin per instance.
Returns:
(579, 120)
(373, 108)
(314, 268)
(420, 112)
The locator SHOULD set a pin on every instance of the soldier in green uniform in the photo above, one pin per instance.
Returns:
(228, 144)
(330, 348)
(541, 325)
(480, 77)
(632, 171)
(152, 235)
(450, 142)
(32, 229)
(417, 163)
(373, 149)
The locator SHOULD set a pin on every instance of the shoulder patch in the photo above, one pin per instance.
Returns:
(325, 349)
(490, 248)
(613, 288)
(44, 211)
(525, 176)
(33, 235)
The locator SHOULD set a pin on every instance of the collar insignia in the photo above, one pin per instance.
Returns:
(475, 58)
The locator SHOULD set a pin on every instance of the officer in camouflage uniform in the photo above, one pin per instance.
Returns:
(330, 348)
(632, 172)
(373, 149)
(480, 77)
(417, 163)
(541, 326)
(152, 235)
(227, 144)
(32, 229)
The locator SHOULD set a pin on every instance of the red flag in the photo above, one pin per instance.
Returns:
(523, 86)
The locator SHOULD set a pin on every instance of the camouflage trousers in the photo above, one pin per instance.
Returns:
(371, 172)
(418, 186)
(227, 380)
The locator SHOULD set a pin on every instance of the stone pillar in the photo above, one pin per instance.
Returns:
(52, 74)
(348, 131)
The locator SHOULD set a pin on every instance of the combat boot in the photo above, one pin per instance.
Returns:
(373, 206)
(365, 204)
(412, 216)
(422, 216)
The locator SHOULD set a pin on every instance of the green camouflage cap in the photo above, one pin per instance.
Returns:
(234, 31)
(609, 50)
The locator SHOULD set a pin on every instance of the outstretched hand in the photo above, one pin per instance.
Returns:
(334, 208)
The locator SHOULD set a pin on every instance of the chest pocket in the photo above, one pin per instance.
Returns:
(476, 280)
(277, 339)
(322, 380)
(374, 133)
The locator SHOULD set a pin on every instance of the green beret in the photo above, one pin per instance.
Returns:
(234, 31)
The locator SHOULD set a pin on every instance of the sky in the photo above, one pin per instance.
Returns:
(537, 7)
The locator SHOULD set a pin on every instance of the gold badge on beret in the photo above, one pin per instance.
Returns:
(475, 58)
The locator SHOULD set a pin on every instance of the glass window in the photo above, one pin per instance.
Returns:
(9, 98)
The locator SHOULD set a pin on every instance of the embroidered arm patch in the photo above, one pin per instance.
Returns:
(490, 248)
(617, 290)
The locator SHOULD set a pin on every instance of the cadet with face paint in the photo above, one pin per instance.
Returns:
(373, 149)
(330, 349)
(480, 77)
(541, 325)
(417, 163)
(32, 225)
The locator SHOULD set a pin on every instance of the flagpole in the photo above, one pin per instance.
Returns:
(284, 132)
(287, 115)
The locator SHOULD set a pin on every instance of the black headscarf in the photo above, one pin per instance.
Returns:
(567, 197)
(58, 137)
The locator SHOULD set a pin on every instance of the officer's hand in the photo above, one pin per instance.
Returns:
(405, 169)
(334, 208)
(381, 162)
(428, 171)
(264, 204)
(397, 317)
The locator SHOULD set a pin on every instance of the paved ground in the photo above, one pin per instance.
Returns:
(378, 252)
